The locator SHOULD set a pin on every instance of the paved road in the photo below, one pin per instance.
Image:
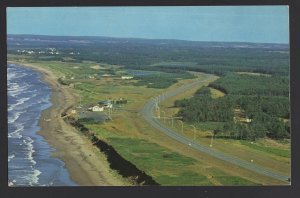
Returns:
(147, 113)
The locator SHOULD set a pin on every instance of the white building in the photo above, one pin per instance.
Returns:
(97, 108)
(248, 120)
(126, 77)
(106, 75)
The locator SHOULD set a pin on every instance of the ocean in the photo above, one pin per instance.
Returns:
(29, 155)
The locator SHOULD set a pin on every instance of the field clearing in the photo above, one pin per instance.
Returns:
(166, 105)
(67, 69)
(97, 67)
(174, 64)
(254, 74)
(216, 93)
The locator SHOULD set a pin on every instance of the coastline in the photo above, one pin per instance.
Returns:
(86, 165)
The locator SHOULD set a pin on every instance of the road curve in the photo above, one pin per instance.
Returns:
(147, 113)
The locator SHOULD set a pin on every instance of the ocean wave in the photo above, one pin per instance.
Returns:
(15, 116)
(39, 102)
(20, 75)
(16, 89)
(10, 74)
(31, 178)
(34, 101)
(14, 72)
(29, 155)
(11, 183)
(16, 133)
(19, 102)
(34, 178)
(10, 157)
(12, 86)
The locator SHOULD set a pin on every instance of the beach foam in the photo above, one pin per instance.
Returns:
(19, 102)
(15, 116)
(10, 157)
(15, 89)
(34, 177)
(17, 132)
(29, 143)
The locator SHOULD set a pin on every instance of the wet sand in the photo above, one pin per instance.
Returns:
(87, 166)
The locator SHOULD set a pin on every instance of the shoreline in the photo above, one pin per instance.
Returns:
(86, 165)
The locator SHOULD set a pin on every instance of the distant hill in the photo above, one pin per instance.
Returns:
(153, 54)
(11, 38)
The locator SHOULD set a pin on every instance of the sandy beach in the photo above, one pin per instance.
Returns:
(86, 164)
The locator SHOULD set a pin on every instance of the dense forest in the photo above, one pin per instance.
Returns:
(262, 102)
(245, 84)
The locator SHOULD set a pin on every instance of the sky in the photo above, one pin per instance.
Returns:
(259, 24)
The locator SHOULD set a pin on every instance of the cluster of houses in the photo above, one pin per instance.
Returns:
(28, 52)
(240, 116)
(50, 50)
(106, 104)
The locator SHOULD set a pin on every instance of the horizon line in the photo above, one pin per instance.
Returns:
(143, 38)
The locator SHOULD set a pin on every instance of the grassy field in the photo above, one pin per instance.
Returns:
(167, 161)
(273, 157)
(216, 93)
(164, 165)
(254, 74)
(268, 149)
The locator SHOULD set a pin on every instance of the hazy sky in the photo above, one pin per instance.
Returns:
(263, 24)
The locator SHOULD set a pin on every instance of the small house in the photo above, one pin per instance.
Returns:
(248, 120)
(97, 108)
(126, 77)
(106, 75)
